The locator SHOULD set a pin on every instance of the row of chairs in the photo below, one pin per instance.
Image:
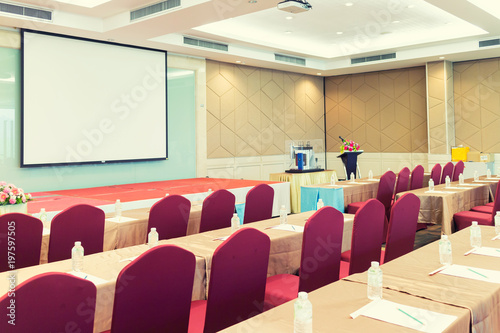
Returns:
(438, 174)
(85, 223)
(153, 293)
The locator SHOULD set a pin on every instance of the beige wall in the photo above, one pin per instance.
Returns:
(477, 104)
(253, 111)
(382, 111)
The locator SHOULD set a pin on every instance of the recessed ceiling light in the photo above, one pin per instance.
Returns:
(411, 6)
(349, 4)
(340, 32)
(318, 73)
(288, 32)
(289, 17)
(441, 57)
(238, 61)
(396, 21)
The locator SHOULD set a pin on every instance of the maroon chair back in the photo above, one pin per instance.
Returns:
(436, 174)
(51, 302)
(402, 226)
(496, 204)
(170, 216)
(386, 190)
(237, 280)
(217, 210)
(402, 181)
(367, 231)
(84, 223)
(457, 170)
(26, 233)
(447, 171)
(417, 177)
(259, 203)
(153, 293)
(323, 227)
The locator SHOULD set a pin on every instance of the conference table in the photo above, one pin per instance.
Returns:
(474, 300)
(103, 268)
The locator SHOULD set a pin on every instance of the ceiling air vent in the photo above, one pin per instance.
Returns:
(292, 60)
(13, 9)
(205, 43)
(490, 42)
(373, 58)
(153, 9)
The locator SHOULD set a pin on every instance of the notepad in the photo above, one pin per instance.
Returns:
(439, 192)
(288, 227)
(407, 316)
(486, 181)
(94, 279)
(120, 219)
(470, 184)
(487, 251)
(452, 188)
(473, 273)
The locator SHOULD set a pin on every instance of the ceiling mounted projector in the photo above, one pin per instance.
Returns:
(294, 6)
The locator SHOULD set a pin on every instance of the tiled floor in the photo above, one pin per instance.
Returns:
(426, 236)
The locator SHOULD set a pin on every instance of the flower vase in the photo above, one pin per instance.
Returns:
(18, 208)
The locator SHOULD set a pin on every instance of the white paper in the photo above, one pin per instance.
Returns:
(129, 259)
(120, 219)
(439, 192)
(288, 227)
(391, 312)
(485, 181)
(488, 251)
(221, 238)
(473, 273)
(373, 180)
(359, 183)
(453, 188)
(94, 279)
(335, 186)
(470, 184)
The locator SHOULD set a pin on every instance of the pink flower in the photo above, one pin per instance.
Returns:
(23, 198)
(3, 183)
(28, 196)
(15, 191)
(12, 200)
(3, 197)
(350, 148)
(6, 190)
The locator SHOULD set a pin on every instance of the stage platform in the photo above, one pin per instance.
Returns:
(142, 195)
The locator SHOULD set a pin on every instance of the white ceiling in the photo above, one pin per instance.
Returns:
(327, 36)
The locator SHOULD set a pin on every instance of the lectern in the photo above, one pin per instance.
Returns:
(350, 160)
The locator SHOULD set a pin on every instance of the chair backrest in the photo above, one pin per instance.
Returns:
(436, 174)
(367, 231)
(386, 189)
(237, 280)
(417, 177)
(402, 181)
(26, 232)
(259, 203)
(217, 210)
(51, 302)
(402, 226)
(84, 223)
(457, 170)
(322, 234)
(496, 204)
(447, 171)
(153, 293)
(170, 216)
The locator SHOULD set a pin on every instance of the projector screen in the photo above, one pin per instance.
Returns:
(86, 101)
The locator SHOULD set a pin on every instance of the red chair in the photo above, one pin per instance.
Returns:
(319, 266)
(51, 302)
(170, 216)
(82, 223)
(436, 174)
(458, 169)
(26, 231)
(447, 171)
(217, 211)
(237, 282)
(417, 178)
(367, 230)
(402, 226)
(153, 293)
(464, 219)
(402, 181)
(259, 203)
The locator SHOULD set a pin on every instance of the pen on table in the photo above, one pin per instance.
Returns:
(409, 315)
(470, 251)
(293, 227)
(85, 278)
(437, 270)
(473, 271)
(496, 237)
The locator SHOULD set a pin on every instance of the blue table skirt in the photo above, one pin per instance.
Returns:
(333, 196)
(240, 210)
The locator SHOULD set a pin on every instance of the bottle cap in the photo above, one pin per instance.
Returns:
(235, 215)
(117, 200)
(320, 200)
(284, 207)
(474, 223)
(78, 243)
(153, 229)
(498, 213)
(375, 264)
(302, 295)
(42, 210)
(444, 237)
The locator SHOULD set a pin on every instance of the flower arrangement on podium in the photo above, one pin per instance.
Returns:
(348, 145)
(13, 199)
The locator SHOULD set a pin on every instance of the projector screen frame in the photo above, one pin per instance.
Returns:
(96, 162)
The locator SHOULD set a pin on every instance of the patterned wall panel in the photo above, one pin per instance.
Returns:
(477, 104)
(253, 111)
(382, 111)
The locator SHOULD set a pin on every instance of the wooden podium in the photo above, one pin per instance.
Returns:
(350, 160)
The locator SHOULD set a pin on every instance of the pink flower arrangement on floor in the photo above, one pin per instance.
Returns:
(348, 145)
(12, 195)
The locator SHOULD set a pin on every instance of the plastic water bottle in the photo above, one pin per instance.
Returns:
(303, 311)
(497, 223)
(283, 215)
(353, 179)
(476, 176)
(447, 181)
(445, 257)
(374, 281)
(370, 174)
(488, 173)
(118, 208)
(431, 185)
(461, 179)
(77, 253)
(332, 180)
(475, 235)
(235, 222)
(153, 238)
(320, 204)
(43, 217)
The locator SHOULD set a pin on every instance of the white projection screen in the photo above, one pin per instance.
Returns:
(86, 101)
